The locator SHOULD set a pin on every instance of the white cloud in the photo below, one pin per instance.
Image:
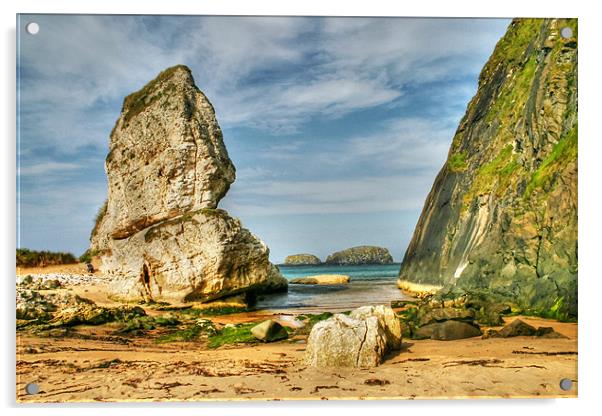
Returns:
(47, 167)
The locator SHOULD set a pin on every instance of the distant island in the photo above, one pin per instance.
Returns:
(302, 260)
(361, 255)
(351, 256)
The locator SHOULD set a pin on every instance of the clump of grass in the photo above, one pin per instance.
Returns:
(238, 334)
(88, 255)
(102, 211)
(457, 162)
(136, 102)
(32, 258)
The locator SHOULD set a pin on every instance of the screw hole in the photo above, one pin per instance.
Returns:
(566, 32)
(566, 384)
(32, 388)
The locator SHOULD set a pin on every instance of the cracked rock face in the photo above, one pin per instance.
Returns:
(358, 340)
(162, 236)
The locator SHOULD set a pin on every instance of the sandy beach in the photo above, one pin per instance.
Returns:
(93, 363)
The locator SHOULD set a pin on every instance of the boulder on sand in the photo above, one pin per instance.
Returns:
(448, 331)
(322, 279)
(387, 319)
(269, 331)
(518, 328)
(358, 340)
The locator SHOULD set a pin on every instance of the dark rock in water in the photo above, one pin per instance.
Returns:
(302, 260)
(448, 331)
(361, 255)
(502, 212)
(269, 331)
(429, 316)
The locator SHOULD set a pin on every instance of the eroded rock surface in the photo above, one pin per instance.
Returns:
(502, 212)
(161, 235)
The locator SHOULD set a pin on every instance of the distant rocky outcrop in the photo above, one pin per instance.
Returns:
(302, 260)
(361, 255)
(502, 213)
(161, 235)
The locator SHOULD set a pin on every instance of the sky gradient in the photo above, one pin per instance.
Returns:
(336, 126)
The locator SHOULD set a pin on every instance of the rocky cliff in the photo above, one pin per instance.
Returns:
(502, 213)
(361, 255)
(160, 234)
(301, 260)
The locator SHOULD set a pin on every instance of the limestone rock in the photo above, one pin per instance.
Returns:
(361, 255)
(269, 331)
(387, 319)
(322, 279)
(301, 260)
(160, 234)
(502, 212)
(275, 282)
(342, 341)
(166, 156)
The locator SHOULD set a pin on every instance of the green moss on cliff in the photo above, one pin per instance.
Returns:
(565, 151)
(495, 175)
(457, 162)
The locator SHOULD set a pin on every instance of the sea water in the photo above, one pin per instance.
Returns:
(369, 285)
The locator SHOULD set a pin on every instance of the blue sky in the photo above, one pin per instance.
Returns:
(337, 126)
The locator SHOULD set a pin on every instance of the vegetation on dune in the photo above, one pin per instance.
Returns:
(32, 258)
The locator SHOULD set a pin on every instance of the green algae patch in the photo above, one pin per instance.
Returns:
(238, 334)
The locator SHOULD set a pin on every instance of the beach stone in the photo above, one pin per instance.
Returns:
(548, 332)
(343, 341)
(447, 331)
(516, 328)
(387, 319)
(161, 236)
(322, 279)
(269, 331)
(302, 260)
